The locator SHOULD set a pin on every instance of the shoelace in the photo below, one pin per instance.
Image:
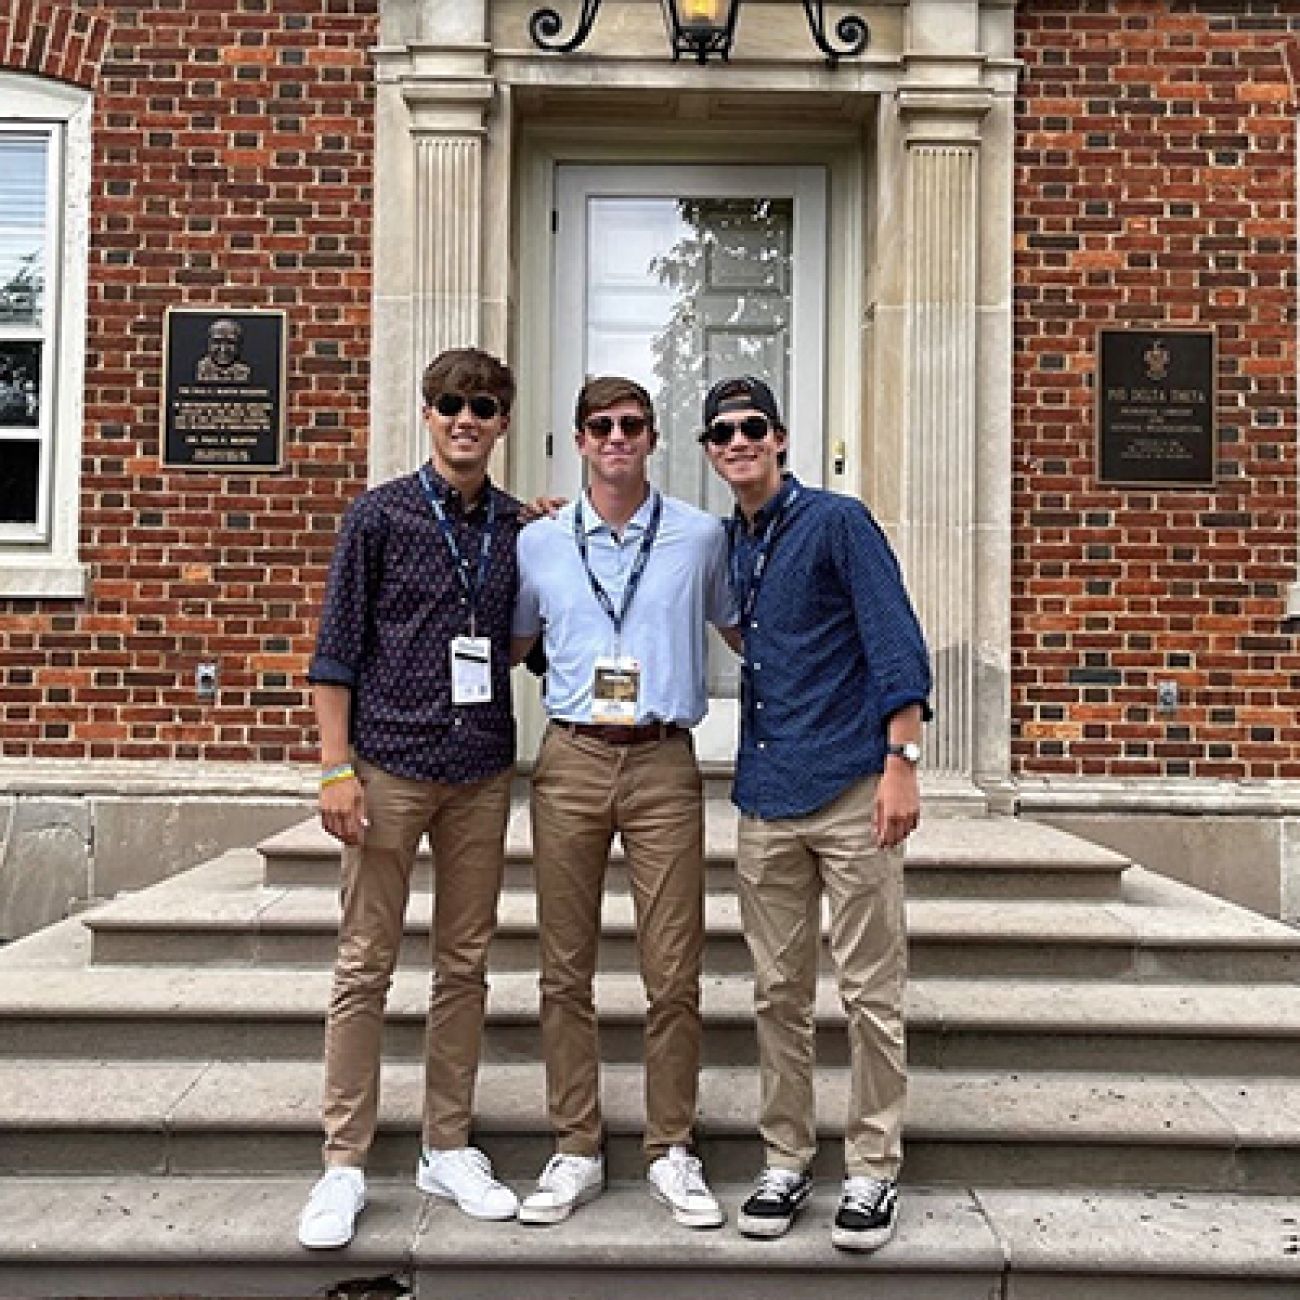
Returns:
(865, 1194)
(562, 1174)
(774, 1183)
(477, 1165)
(688, 1173)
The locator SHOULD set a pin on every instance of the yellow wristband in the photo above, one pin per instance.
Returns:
(333, 775)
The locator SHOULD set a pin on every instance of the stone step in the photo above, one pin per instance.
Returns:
(1002, 1130)
(235, 1013)
(236, 1237)
(218, 914)
(947, 857)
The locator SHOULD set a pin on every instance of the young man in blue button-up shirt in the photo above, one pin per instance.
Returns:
(835, 678)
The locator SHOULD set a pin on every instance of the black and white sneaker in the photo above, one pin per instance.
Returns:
(868, 1214)
(777, 1197)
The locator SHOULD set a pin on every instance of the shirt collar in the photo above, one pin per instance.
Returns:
(451, 498)
(592, 523)
(763, 518)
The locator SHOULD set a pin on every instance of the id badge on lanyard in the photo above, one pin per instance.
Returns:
(471, 656)
(615, 691)
(471, 670)
(616, 679)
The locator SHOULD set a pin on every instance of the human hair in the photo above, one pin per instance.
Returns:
(609, 390)
(468, 371)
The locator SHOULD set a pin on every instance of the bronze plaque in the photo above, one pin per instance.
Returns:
(1156, 407)
(223, 388)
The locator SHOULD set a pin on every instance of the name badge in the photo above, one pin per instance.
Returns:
(471, 670)
(615, 690)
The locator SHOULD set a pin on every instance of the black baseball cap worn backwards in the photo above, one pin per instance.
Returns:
(741, 392)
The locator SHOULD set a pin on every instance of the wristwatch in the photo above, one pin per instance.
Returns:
(909, 751)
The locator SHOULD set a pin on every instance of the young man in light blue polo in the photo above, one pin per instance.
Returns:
(620, 585)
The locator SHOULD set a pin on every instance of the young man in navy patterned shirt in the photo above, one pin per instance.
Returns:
(835, 678)
(412, 696)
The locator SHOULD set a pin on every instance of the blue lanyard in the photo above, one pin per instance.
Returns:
(638, 568)
(471, 587)
(747, 592)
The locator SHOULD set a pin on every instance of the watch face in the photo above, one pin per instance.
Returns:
(909, 750)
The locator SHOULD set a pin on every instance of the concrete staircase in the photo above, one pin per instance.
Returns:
(1105, 1099)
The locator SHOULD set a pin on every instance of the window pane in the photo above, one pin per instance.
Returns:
(20, 384)
(20, 465)
(23, 215)
(680, 293)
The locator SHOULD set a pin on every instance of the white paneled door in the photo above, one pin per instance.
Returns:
(677, 277)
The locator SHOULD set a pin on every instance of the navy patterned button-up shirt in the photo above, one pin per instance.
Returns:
(832, 650)
(393, 604)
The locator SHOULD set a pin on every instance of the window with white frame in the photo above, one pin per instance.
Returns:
(44, 222)
(29, 242)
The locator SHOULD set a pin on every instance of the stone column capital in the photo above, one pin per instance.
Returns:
(951, 115)
(448, 106)
(447, 89)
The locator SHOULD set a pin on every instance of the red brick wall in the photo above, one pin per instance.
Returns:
(233, 154)
(1155, 185)
(233, 146)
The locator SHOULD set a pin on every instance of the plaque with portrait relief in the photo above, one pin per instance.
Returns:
(223, 388)
(1156, 407)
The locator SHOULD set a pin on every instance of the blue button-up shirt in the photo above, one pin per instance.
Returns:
(684, 584)
(393, 604)
(832, 650)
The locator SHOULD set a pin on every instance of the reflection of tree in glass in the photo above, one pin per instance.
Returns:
(20, 378)
(729, 273)
(21, 293)
(722, 323)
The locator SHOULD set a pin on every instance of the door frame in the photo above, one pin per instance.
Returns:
(806, 185)
(541, 148)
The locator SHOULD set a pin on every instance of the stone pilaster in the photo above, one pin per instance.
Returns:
(941, 404)
(434, 98)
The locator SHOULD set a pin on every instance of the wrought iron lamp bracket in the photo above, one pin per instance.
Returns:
(545, 25)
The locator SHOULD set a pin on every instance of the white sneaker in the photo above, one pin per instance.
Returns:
(677, 1180)
(565, 1183)
(330, 1215)
(464, 1175)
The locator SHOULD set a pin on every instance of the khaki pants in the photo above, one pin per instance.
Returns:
(783, 866)
(466, 825)
(583, 791)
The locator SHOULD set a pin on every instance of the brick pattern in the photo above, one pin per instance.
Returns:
(1155, 185)
(53, 40)
(233, 166)
(234, 143)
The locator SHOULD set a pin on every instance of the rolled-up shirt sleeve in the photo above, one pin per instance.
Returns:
(345, 618)
(891, 635)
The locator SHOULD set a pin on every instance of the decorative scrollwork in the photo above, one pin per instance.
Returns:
(545, 24)
(851, 31)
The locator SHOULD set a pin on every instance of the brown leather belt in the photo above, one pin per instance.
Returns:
(613, 734)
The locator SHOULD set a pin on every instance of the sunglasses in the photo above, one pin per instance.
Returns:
(601, 426)
(721, 432)
(482, 406)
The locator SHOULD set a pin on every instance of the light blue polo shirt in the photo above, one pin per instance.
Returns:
(684, 586)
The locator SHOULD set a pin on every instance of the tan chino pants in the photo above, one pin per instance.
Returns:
(584, 790)
(783, 867)
(466, 826)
